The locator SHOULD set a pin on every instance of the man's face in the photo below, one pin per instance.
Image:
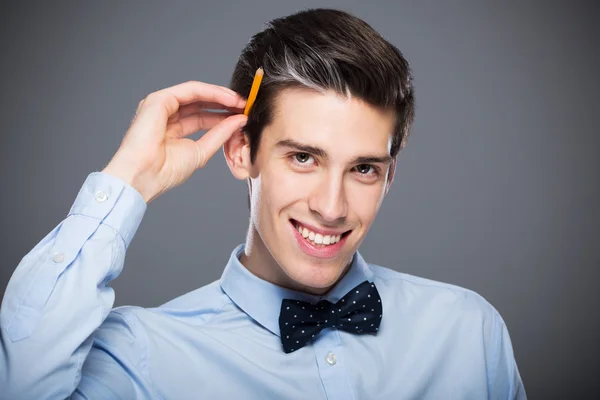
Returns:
(319, 178)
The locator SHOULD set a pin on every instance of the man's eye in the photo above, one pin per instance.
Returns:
(365, 169)
(302, 158)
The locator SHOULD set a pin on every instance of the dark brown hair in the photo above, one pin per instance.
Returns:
(325, 49)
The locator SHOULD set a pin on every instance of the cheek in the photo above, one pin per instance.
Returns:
(280, 188)
(365, 201)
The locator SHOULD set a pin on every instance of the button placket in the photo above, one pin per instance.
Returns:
(329, 355)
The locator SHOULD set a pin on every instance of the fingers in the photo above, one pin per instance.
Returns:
(197, 121)
(197, 107)
(172, 98)
(212, 141)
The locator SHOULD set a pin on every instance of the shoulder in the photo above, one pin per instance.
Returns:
(410, 292)
(196, 307)
(203, 302)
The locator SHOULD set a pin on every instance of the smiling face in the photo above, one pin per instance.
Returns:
(320, 175)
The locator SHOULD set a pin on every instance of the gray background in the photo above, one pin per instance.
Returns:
(497, 190)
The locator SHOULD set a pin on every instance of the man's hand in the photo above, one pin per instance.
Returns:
(156, 155)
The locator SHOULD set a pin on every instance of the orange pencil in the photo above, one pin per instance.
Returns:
(254, 90)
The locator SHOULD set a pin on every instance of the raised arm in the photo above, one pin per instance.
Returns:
(56, 303)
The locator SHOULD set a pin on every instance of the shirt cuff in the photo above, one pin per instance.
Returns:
(113, 202)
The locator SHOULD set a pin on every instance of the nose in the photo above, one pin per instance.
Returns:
(328, 199)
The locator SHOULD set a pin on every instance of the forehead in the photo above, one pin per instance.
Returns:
(343, 126)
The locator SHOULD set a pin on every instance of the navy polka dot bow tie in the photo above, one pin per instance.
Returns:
(359, 311)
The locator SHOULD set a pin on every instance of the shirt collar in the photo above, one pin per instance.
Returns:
(261, 300)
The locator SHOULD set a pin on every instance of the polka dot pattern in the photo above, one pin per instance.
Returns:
(359, 311)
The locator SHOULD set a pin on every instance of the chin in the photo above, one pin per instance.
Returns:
(318, 276)
(314, 275)
(305, 265)
(316, 267)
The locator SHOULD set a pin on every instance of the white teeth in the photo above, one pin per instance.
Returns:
(318, 238)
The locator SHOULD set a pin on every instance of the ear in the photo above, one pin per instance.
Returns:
(237, 154)
(390, 177)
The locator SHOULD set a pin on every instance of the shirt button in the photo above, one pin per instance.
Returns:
(58, 257)
(331, 360)
(101, 196)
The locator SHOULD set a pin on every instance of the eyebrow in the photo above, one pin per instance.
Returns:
(319, 152)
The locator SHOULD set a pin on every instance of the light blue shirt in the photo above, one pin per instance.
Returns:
(61, 337)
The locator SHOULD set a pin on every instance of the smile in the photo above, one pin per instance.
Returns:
(316, 241)
(316, 238)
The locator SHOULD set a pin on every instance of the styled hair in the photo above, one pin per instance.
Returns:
(325, 50)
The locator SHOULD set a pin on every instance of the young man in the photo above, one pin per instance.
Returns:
(298, 313)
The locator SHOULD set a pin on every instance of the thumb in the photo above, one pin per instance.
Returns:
(214, 139)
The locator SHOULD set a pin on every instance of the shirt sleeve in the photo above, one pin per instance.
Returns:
(59, 294)
(115, 368)
(505, 381)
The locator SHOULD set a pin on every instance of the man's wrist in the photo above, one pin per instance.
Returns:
(129, 177)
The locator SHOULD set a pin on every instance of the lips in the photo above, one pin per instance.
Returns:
(308, 237)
